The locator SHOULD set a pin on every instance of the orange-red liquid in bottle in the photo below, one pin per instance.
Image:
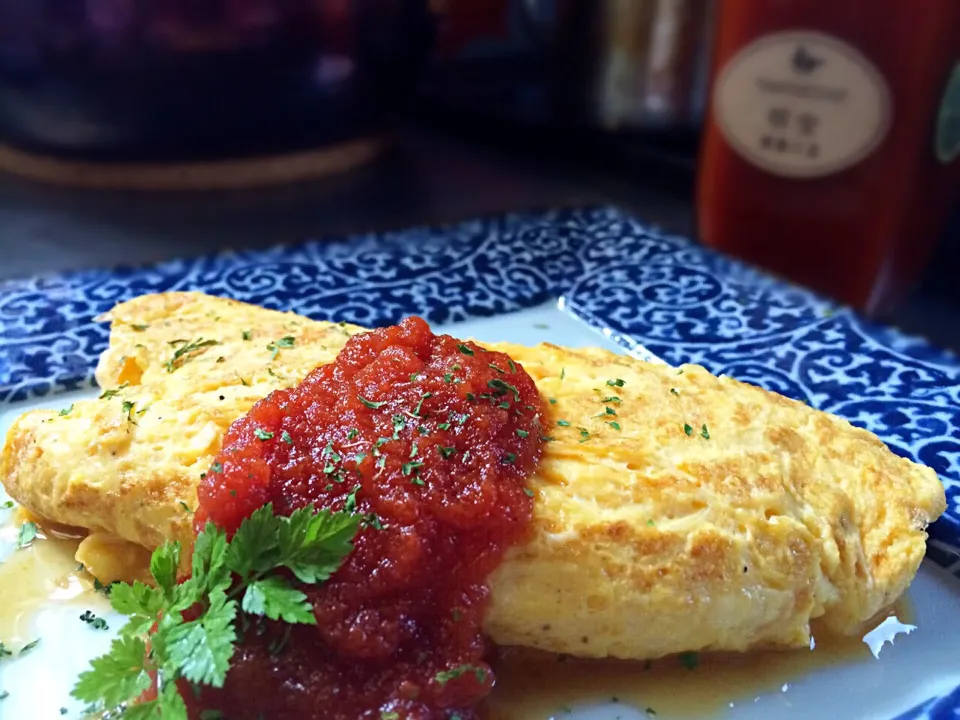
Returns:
(818, 158)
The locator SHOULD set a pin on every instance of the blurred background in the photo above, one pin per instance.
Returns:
(819, 139)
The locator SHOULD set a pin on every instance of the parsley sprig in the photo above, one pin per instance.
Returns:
(229, 578)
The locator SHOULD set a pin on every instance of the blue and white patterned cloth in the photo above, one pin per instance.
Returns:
(680, 301)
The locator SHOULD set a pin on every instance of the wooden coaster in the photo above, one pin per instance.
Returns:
(234, 174)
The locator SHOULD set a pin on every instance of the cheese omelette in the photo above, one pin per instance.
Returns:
(708, 514)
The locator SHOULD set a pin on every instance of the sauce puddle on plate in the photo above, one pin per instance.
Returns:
(530, 685)
(43, 573)
(536, 686)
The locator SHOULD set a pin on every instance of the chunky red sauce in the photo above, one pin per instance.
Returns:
(430, 439)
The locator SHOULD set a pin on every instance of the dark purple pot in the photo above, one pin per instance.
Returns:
(169, 80)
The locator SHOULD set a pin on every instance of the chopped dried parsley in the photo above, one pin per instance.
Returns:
(186, 508)
(262, 434)
(369, 403)
(187, 351)
(446, 676)
(8, 505)
(528, 492)
(446, 452)
(611, 399)
(352, 433)
(553, 401)
(651, 523)
(216, 467)
(675, 391)
(584, 435)
(616, 382)
(246, 335)
(66, 410)
(494, 367)
(689, 660)
(688, 428)
(464, 349)
(563, 423)
(419, 407)
(411, 467)
(139, 328)
(563, 373)
(509, 459)
(500, 387)
(285, 342)
(127, 409)
(704, 433)
(97, 623)
(522, 433)
(614, 424)
(418, 481)
(111, 393)
(350, 504)
(285, 436)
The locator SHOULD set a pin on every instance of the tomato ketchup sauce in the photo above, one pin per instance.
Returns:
(430, 440)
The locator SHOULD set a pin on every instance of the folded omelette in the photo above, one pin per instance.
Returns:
(718, 516)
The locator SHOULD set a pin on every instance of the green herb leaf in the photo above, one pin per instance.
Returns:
(66, 410)
(369, 403)
(690, 660)
(563, 423)
(313, 544)
(246, 335)
(163, 566)
(688, 428)
(201, 649)
(466, 350)
(617, 382)
(262, 434)
(116, 677)
(26, 534)
(704, 433)
(141, 602)
(274, 598)
(522, 433)
(614, 424)
(285, 436)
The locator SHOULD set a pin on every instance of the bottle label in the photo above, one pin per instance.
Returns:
(946, 146)
(801, 104)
